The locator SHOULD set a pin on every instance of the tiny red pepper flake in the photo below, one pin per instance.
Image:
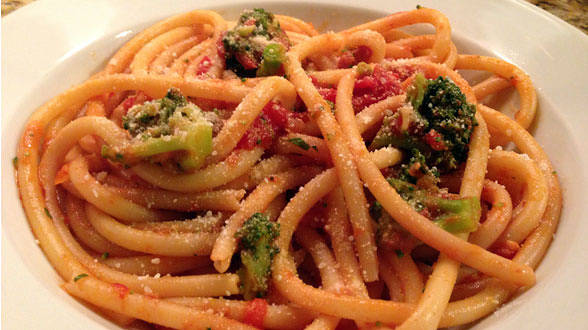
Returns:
(435, 140)
(204, 66)
(121, 289)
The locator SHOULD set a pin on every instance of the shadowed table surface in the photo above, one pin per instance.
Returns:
(574, 12)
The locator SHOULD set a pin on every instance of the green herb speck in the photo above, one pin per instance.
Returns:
(80, 276)
(299, 143)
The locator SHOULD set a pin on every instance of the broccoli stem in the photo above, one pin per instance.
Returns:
(167, 125)
(455, 215)
(461, 215)
(197, 142)
(273, 57)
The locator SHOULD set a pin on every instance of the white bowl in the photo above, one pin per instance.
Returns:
(48, 46)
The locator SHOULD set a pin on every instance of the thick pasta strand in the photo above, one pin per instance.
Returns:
(123, 57)
(462, 251)
(497, 218)
(174, 244)
(257, 201)
(276, 317)
(528, 97)
(350, 183)
(330, 277)
(152, 240)
(145, 56)
(162, 62)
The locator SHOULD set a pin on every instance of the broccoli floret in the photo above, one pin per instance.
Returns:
(417, 167)
(256, 46)
(454, 215)
(170, 128)
(257, 238)
(446, 109)
(436, 121)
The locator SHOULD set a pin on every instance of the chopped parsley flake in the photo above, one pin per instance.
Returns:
(300, 143)
(48, 214)
(105, 255)
(399, 253)
(80, 276)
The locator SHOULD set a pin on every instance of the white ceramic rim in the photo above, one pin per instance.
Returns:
(40, 40)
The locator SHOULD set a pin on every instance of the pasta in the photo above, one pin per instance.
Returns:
(256, 173)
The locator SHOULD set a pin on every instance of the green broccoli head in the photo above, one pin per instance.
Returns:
(445, 107)
(170, 128)
(257, 238)
(256, 46)
(416, 167)
(454, 215)
(436, 123)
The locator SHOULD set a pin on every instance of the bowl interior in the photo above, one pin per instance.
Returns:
(31, 269)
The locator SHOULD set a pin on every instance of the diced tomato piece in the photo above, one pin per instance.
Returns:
(246, 61)
(351, 57)
(329, 94)
(435, 140)
(373, 88)
(271, 124)
(367, 83)
(255, 312)
(138, 98)
(362, 54)
(62, 175)
(129, 102)
(250, 21)
(220, 46)
(122, 290)
(276, 114)
(204, 66)
(346, 60)
(258, 135)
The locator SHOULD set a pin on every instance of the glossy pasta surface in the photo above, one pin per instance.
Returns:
(256, 173)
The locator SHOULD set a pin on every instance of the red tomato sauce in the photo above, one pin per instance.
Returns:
(255, 312)
(269, 125)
